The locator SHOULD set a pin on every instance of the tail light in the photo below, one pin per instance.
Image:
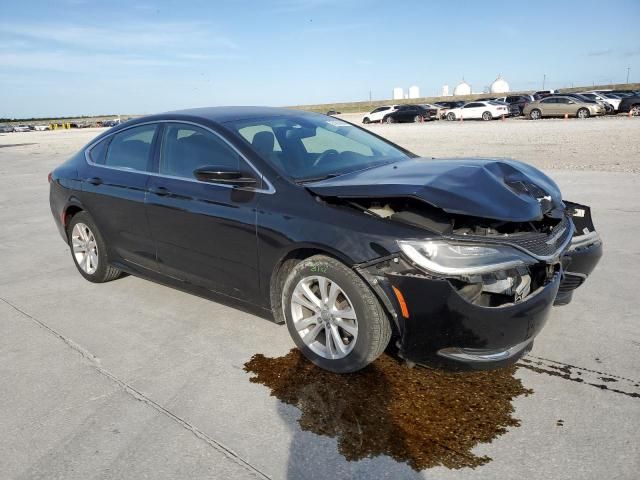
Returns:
(49, 177)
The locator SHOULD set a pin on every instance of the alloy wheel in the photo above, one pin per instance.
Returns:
(85, 248)
(583, 113)
(635, 111)
(324, 317)
(535, 114)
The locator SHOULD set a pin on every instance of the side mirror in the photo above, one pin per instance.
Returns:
(225, 175)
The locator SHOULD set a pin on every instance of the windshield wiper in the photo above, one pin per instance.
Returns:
(318, 178)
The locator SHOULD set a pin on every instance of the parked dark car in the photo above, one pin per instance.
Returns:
(411, 113)
(517, 103)
(333, 112)
(631, 105)
(345, 237)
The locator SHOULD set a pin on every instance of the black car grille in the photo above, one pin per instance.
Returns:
(570, 282)
(539, 244)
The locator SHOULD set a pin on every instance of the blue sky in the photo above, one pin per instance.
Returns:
(70, 57)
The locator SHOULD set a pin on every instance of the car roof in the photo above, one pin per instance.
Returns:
(222, 114)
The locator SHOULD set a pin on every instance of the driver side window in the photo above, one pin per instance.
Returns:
(186, 148)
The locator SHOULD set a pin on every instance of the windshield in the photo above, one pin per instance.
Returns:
(311, 147)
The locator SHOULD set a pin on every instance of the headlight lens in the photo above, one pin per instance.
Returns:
(463, 259)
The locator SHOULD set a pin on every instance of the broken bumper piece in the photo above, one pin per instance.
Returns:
(444, 329)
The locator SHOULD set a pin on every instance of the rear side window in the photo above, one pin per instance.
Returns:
(131, 149)
(99, 151)
(186, 148)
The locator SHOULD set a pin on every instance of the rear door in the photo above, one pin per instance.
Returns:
(205, 233)
(114, 184)
(549, 106)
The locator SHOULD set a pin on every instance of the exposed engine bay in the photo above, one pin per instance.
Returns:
(489, 289)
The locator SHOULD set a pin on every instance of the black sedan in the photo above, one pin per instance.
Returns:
(411, 113)
(347, 238)
(630, 105)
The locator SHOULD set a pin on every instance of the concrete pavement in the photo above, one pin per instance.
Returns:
(132, 379)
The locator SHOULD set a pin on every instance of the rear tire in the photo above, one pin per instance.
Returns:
(366, 121)
(417, 119)
(388, 120)
(88, 250)
(486, 116)
(635, 110)
(366, 331)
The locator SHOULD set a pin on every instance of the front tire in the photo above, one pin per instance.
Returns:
(388, 120)
(451, 116)
(366, 121)
(635, 110)
(582, 113)
(535, 114)
(88, 250)
(332, 316)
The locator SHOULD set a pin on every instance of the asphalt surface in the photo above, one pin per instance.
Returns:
(132, 379)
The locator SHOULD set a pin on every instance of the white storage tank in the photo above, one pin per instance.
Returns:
(499, 85)
(414, 92)
(398, 93)
(445, 91)
(463, 88)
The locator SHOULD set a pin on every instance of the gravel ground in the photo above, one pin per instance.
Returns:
(603, 144)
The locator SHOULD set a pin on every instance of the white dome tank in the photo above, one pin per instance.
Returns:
(463, 88)
(499, 85)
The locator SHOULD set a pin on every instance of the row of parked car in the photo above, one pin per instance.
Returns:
(52, 126)
(547, 103)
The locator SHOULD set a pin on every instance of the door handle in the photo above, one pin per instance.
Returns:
(162, 191)
(94, 180)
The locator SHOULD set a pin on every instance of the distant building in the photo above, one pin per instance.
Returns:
(398, 93)
(445, 90)
(499, 85)
(463, 88)
(414, 92)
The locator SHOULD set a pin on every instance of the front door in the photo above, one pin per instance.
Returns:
(205, 233)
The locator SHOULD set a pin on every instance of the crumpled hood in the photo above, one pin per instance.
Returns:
(505, 190)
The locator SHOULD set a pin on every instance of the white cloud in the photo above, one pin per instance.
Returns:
(132, 36)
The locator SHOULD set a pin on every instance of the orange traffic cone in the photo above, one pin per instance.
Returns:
(502, 118)
(566, 115)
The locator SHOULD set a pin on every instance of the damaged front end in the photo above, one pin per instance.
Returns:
(475, 291)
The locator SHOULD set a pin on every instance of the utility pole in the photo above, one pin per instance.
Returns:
(628, 68)
(544, 79)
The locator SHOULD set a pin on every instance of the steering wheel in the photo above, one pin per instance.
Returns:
(324, 155)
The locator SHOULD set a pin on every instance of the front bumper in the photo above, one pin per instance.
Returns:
(445, 329)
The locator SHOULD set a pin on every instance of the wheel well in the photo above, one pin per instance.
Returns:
(280, 272)
(70, 211)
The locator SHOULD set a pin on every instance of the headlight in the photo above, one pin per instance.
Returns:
(463, 259)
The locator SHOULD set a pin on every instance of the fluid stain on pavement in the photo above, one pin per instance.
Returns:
(419, 416)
